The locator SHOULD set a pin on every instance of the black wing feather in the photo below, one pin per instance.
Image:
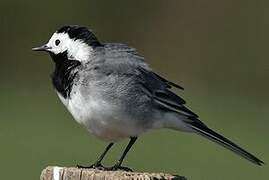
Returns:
(174, 101)
(169, 83)
(159, 88)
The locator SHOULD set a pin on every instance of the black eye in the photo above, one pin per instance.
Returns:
(57, 42)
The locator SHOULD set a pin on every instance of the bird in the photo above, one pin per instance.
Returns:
(112, 91)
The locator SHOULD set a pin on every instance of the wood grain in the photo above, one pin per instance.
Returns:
(71, 173)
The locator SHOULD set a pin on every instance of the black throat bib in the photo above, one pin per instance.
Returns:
(64, 73)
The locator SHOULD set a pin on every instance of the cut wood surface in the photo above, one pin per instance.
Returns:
(71, 173)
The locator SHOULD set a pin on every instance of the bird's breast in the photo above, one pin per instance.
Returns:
(80, 107)
(101, 118)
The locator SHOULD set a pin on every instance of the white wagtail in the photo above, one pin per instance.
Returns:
(112, 91)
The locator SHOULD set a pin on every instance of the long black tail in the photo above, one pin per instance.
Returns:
(213, 136)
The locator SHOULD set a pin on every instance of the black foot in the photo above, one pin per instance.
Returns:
(116, 167)
(94, 166)
(99, 166)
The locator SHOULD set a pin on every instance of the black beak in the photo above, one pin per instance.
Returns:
(42, 48)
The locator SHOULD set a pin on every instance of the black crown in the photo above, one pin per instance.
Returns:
(82, 33)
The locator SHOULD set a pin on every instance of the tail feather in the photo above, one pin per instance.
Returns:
(215, 137)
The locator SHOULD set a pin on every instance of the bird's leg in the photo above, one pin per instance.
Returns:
(99, 160)
(118, 164)
(98, 163)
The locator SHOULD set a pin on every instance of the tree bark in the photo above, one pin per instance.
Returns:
(71, 173)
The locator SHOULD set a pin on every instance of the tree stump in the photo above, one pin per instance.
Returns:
(71, 173)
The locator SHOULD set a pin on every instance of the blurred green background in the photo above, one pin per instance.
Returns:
(217, 50)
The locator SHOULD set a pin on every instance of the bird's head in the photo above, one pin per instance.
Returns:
(75, 42)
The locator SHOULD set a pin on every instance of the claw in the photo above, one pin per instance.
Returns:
(98, 166)
(117, 167)
(124, 169)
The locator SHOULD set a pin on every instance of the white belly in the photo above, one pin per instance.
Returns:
(103, 120)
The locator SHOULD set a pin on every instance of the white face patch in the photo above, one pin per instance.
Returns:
(76, 49)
